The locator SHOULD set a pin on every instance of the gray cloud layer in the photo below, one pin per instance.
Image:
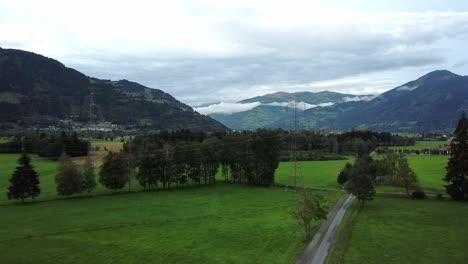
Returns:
(208, 52)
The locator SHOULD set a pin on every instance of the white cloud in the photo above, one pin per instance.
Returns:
(300, 106)
(211, 50)
(226, 108)
(407, 88)
(359, 98)
(231, 108)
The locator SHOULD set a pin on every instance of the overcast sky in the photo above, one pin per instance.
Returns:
(204, 51)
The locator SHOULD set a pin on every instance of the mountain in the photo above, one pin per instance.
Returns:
(277, 108)
(305, 97)
(260, 116)
(39, 91)
(323, 117)
(430, 103)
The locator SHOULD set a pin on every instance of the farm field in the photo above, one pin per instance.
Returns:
(424, 145)
(313, 173)
(209, 224)
(430, 171)
(401, 230)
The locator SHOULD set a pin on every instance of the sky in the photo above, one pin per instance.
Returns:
(210, 51)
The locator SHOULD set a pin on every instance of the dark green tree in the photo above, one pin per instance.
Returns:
(24, 182)
(360, 181)
(68, 179)
(114, 171)
(344, 173)
(308, 207)
(457, 168)
(148, 175)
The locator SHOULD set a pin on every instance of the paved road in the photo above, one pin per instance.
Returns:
(327, 241)
(308, 252)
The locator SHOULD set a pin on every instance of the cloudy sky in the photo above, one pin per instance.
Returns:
(204, 51)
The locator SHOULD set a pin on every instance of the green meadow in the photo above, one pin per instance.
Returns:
(207, 224)
(311, 173)
(430, 171)
(393, 229)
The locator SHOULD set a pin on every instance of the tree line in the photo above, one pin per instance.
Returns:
(47, 145)
(195, 157)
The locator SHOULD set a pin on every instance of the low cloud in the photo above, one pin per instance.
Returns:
(231, 108)
(359, 98)
(407, 88)
(301, 106)
(226, 108)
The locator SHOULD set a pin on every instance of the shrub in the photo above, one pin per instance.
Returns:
(439, 196)
(419, 194)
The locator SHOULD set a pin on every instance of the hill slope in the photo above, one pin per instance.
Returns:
(35, 90)
(430, 103)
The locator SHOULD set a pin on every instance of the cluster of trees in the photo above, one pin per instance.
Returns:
(457, 168)
(421, 151)
(393, 169)
(182, 157)
(351, 142)
(47, 145)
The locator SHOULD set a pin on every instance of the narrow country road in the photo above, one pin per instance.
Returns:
(327, 241)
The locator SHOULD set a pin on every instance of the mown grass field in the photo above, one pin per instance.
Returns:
(430, 171)
(424, 145)
(222, 223)
(400, 230)
(312, 173)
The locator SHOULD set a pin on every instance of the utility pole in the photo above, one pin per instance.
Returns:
(295, 144)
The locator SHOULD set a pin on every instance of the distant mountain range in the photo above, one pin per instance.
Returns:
(276, 109)
(430, 103)
(39, 91)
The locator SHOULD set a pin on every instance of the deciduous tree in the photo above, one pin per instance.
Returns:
(360, 181)
(68, 179)
(114, 171)
(308, 207)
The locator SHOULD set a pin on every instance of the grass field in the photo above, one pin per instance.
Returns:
(401, 230)
(222, 223)
(313, 173)
(212, 224)
(430, 171)
(424, 145)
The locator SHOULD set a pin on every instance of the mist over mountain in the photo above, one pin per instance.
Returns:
(267, 110)
(433, 102)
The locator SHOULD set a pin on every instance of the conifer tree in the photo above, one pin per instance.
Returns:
(457, 168)
(24, 182)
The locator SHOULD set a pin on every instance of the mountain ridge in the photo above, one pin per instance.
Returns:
(35, 89)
